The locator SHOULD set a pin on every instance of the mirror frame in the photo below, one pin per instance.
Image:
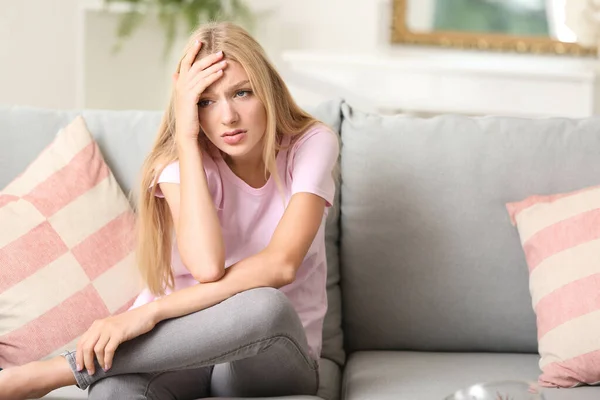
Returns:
(484, 41)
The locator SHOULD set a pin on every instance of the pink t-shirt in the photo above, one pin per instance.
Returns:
(249, 217)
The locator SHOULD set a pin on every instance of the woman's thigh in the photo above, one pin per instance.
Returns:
(175, 385)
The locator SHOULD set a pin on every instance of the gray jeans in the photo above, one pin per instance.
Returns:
(250, 345)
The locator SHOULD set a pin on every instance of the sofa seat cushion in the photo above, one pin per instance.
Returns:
(396, 375)
(329, 386)
(73, 393)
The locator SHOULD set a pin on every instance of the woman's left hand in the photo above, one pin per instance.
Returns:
(105, 335)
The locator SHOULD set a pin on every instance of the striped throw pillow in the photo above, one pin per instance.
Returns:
(66, 249)
(560, 235)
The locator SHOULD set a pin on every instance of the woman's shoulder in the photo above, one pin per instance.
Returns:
(319, 143)
(208, 162)
(170, 173)
(315, 134)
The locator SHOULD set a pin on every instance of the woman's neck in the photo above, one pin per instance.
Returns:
(251, 171)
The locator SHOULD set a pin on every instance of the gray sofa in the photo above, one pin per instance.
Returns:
(428, 286)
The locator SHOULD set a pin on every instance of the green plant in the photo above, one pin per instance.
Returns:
(172, 14)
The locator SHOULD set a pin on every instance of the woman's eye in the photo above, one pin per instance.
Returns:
(203, 103)
(243, 93)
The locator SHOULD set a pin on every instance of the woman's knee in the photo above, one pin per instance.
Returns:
(270, 307)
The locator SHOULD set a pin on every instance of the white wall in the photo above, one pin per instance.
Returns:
(135, 77)
(38, 48)
(318, 24)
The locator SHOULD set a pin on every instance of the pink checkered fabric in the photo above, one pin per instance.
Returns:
(66, 249)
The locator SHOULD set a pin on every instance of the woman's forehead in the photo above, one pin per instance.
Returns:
(233, 75)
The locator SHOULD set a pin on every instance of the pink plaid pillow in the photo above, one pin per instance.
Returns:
(66, 249)
(560, 235)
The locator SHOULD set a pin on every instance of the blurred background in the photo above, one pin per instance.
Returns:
(511, 57)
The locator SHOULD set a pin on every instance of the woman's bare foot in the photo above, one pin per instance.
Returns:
(36, 379)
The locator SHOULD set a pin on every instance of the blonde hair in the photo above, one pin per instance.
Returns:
(284, 118)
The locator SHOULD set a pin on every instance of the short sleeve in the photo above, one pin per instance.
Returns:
(171, 175)
(313, 159)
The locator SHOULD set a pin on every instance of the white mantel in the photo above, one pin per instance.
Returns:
(428, 80)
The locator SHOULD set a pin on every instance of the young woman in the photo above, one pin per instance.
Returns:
(233, 201)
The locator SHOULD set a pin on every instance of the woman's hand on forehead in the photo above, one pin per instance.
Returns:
(192, 79)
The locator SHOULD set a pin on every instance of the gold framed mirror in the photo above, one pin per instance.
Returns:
(523, 26)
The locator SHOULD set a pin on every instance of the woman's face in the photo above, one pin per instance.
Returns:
(231, 115)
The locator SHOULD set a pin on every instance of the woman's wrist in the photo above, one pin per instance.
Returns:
(153, 312)
(187, 145)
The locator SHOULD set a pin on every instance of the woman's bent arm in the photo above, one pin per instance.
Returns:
(197, 227)
(260, 270)
(275, 266)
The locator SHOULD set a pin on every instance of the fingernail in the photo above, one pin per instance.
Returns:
(220, 53)
(78, 367)
(106, 367)
(197, 42)
(90, 372)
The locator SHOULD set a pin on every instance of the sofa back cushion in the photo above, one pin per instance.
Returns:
(429, 258)
(125, 138)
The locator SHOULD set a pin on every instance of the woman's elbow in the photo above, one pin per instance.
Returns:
(282, 269)
(287, 276)
(205, 271)
(208, 275)
(285, 273)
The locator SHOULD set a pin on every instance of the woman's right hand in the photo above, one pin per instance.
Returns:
(190, 82)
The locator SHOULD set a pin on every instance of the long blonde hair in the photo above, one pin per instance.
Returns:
(284, 118)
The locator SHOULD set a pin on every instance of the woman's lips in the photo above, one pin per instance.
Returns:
(235, 138)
